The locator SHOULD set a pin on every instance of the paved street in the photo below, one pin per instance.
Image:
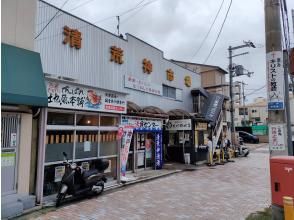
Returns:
(229, 192)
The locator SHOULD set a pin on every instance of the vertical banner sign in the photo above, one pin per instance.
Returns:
(125, 147)
(277, 137)
(158, 150)
(275, 78)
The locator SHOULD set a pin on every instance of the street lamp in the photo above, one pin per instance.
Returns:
(231, 71)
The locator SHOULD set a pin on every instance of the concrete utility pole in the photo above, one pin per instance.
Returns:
(274, 51)
(231, 75)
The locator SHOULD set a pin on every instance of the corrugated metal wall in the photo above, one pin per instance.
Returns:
(91, 64)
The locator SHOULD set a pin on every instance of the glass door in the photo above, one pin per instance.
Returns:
(149, 150)
(140, 150)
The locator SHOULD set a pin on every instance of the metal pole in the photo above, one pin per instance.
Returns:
(274, 43)
(243, 85)
(41, 156)
(287, 104)
(231, 95)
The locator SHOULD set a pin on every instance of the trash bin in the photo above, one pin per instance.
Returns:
(187, 158)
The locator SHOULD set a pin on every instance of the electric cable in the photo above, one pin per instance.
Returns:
(139, 9)
(104, 19)
(210, 28)
(72, 9)
(224, 21)
(51, 19)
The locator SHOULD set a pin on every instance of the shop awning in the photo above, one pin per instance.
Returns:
(22, 78)
(133, 107)
(179, 113)
(200, 91)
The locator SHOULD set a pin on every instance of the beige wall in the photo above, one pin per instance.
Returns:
(18, 22)
(24, 153)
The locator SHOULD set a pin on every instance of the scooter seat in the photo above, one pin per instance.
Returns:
(90, 173)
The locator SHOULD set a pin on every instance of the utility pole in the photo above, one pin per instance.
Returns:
(243, 94)
(275, 79)
(231, 75)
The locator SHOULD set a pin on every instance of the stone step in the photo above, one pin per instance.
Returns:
(27, 201)
(11, 209)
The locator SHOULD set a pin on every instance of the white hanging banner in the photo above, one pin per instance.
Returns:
(277, 137)
(275, 80)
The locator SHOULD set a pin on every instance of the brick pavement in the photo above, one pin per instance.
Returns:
(228, 192)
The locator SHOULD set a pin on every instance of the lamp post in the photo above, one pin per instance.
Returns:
(231, 71)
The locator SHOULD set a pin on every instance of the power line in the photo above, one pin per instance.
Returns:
(51, 19)
(228, 10)
(251, 93)
(204, 39)
(139, 9)
(107, 18)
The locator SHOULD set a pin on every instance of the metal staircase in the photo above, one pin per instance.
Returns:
(217, 129)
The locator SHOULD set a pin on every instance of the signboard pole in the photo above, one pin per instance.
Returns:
(275, 78)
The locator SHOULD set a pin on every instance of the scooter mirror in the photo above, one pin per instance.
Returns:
(64, 154)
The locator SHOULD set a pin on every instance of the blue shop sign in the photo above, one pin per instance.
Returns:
(158, 150)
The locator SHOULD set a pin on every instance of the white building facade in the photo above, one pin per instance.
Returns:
(91, 75)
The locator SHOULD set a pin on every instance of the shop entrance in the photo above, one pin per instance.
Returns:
(145, 146)
(10, 124)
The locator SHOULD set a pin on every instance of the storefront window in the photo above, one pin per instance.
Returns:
(58, 142)
(108, 143)
(108, 121)
(88, 120)
(86, 144)
(55, 118)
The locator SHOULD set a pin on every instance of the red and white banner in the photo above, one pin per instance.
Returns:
(125, 147)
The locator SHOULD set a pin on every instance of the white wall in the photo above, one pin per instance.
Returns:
(18, 23)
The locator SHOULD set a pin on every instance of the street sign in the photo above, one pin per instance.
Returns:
(275, 78)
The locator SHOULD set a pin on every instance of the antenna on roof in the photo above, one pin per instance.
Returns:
(117, 25)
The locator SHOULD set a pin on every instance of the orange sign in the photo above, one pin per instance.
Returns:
(188, 82)
(73, 37)
(116, 55)
(147, 66)
(170, 75)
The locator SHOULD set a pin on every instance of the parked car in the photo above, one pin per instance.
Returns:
(248, 138)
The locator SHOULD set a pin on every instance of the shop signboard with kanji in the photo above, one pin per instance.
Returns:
(175, 125)
(142, 124)
(277, 137)
(132, 82)
(61, 95)
(275, 77)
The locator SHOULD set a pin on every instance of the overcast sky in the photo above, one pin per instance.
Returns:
(177, 27)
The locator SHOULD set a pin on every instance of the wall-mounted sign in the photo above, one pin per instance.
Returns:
(170, 75)
(7, 159)
(61, 95)
(141, 85)
(73, 37)
(275, 77)
(116, 55)
(174, 125)
(277, 137)
(201, 126)
(142, 124)
(147, 66)
(188, 81)
(59, 172)
(214, 107)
